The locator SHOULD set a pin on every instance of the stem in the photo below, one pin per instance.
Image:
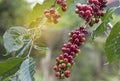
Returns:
(28, 55)
(86, 24)
(44, 21)
(119, 2)
(110, 26)
(54, 3)
(40, 26)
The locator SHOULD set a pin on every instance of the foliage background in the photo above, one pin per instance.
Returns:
(91, 65)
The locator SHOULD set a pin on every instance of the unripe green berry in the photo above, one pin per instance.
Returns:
(69, 65)
(62, 76)
(76, 55)
(69, 34)
(61, 61)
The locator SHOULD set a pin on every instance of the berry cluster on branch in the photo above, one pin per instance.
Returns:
(92, 11)
(51, 15)
(69, 51)
(63, 4)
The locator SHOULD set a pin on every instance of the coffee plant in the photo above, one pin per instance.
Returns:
(19, 41)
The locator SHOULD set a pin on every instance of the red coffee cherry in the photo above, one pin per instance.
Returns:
(56, 68)
(52, 11)
(63, 65)
(67, 73)
(65, 60)
(57, 74)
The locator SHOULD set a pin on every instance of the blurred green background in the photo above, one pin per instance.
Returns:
(90, 65)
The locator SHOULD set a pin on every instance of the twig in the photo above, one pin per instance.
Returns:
(31, 46)
(86, 24)
(110, 27)
(54, 3)
(44, 21)
(119, 2)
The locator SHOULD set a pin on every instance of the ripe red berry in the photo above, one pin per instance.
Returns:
(72, 53)
(88, 12)
(61, 57)
(74, 36)
(72, 62)
(91, 24)
(48, 15)
(57, 59)
(90, 1)
(63, 65)
(66, 60)
(83, 39)
(64, 9)
(59, 1)
(67, 72)
(64, 4)
(66, 55)
(70, 57)
(56, 68)
(96, 20)
(55, 21)
(76, 41)
(79, 6)
(63, 49)
(81, 13)
(67, 50)
(96, 2)
(58, 15)
(46, 11)
(52, 11)
(67, 76)
(57, 74)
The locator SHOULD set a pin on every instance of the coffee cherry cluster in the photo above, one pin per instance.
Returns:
(84, 11)
(69, 51)
(92, 11)
(98, 4)
(63, 4)
(52, 16)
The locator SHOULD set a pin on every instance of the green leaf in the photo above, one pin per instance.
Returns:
(104, 24)
(27, 71)
(13, 38)
(36, 22)
(69, 2)
(24, 48)
(38, 9)
(112, 45)
(9, 67)
(36, 31)
(39, 48)
(100, 30)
